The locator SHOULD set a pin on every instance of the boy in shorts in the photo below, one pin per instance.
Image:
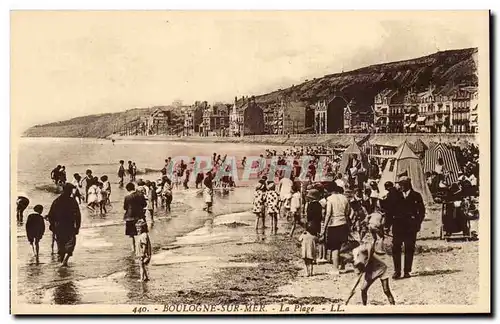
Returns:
(35, 228)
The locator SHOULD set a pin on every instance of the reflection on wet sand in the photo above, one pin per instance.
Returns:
(66, 293)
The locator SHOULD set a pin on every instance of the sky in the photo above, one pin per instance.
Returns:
(69, 64)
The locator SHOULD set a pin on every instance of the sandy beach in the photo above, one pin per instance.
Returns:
(249, 268)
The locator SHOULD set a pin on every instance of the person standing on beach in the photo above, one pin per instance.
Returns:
(54, 175)
(88, 181)
(134, 172)
(259, 200)
(121, 173)
(208, 192)
(285, 190)
(406, 224)
(65, 220)
(133, 204)
(336, 230)
(21, 205)
(166, 193)
(144, 249)
(130, 170)
(272, 206)
(35, 228)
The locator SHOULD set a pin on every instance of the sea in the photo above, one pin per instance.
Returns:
(102, 249)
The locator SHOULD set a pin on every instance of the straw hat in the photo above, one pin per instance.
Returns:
(404, 179)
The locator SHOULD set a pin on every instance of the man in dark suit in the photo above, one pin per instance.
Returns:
(406, 222)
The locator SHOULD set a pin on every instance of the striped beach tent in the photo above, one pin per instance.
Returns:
(445, 152)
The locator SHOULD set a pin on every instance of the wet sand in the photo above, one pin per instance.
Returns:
(268, 270)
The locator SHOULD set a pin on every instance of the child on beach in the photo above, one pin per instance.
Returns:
(121, 173)
(375, 225)
(101, 198)
(208, 192)
(166, 193)
(308, 248)
(296, 207)
(154, 195)
(272, 206)
(259, 200)
(134, 171)
(92, 199)
(314, 215)
(106, 186)
(144, 250)
(22, 203)
(35, 228)
(199, 179)
(77, 183)
(358, 217)
(371, 268)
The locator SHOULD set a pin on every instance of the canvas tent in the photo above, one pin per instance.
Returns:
(450, 163)
(406, 162)
(419, 147)
(348, 154)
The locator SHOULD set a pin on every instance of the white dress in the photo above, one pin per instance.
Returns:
(92, 194)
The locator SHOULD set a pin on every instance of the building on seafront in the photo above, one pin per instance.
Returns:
(193, 117)
(357, 119)
(215, 120)
(291, 117)
(246, 117)
(451, 109)
(329, 114)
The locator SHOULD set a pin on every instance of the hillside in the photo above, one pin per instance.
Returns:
(444, 69)
(97, 126)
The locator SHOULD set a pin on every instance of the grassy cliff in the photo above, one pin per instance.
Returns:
(444, 69)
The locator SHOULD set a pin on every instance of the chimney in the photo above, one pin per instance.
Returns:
(235, 100)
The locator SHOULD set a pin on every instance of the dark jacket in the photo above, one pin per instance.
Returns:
(410, 214)
(134, 204)
(391, 206)
(35, 226)
(64, 216)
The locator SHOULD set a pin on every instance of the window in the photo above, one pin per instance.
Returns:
(391, 165)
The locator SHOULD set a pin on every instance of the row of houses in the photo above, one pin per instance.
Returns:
(448, 110)
(452, 110)
(393, 111)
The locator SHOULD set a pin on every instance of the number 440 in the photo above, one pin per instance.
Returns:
(139, 310)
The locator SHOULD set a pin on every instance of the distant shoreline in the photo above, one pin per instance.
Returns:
(310, 139)
(393, 139)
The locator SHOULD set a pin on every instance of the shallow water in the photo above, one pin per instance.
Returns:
(103, 252)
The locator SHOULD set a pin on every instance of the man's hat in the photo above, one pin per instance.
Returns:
(403, 179)
(313, 194)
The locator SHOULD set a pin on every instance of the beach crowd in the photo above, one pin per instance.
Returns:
(343, 210)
